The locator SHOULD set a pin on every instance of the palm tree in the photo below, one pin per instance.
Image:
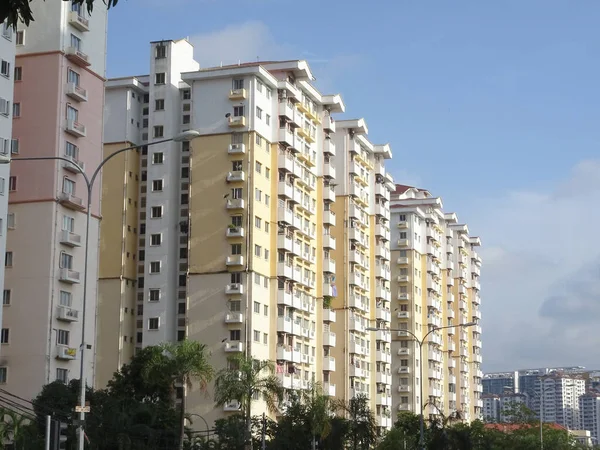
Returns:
(362, 426)
(320, 409)
(14, 424)
(185, 362)
(241, 381)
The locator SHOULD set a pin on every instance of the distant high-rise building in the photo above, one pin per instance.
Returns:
(556, 399)
(499, 383)
(589, 407)
(435, 283)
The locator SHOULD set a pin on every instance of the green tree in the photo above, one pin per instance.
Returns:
(14, 11)
(362, 426)
(184, 362)
(241, 381)
(319, 412)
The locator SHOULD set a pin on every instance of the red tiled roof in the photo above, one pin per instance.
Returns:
(508, 427)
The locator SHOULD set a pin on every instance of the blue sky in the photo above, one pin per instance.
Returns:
(491, 105)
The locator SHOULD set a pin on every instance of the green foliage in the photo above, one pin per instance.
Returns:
(14, 11)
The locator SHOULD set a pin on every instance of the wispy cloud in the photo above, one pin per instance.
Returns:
(541, 282)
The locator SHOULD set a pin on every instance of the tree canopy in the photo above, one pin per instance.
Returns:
(15, 11)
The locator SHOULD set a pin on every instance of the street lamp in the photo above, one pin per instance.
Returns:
(189, 416)
(421, 342)
(186, 136)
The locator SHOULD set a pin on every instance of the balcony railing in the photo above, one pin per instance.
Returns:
(77, 92)
(70, 276)
(79, 22)
(70, 239)
(77, 56)
(75, 128)
(67, 314)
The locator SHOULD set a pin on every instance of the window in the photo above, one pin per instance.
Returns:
(4, 107)
(8, 259)
(65, 298)
(158, 158)
(160, 78)
(238, 111)
(256, 336)
(155, 267)
(20, 40)
(235, 335)
(268, 92)
(186, 119)
(257, 194)
(236, 221)
(236, 249)
(18, 73)
(237, 193)
(62, 337)
(5, 68)
(258, 167)
(268, 119)
(256, 308)
(73, 77)
(16, 109)
(11, 221)
(75, 42)
(161, 51)
(237, 166)
(267, 199)
(68, 224)
(157, 185)
(156, 239)
(259, 112)
(156, 212)
(4, 334)
(6, 297)
(71, 150)
(258, 222)
(259, 86)
(238, 83)
(12, 183)
(159, 131)
(186, 94)
(258, 140)
(153, 323)
(66, 261)
(62, 375)
(267, 173)
(3, 375)
(159, 104)
(257, 250)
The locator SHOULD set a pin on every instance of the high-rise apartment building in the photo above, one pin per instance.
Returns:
(501, 408)
(57, 112)
(556, 399)
(359, 285)
(231, 239)
(435, 284)
(589, 408)
(500, 382)
(7, 146)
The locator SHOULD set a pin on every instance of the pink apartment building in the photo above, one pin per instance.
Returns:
(60, 96)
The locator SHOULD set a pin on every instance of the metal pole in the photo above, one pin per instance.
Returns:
(264, 432)
(82, 371)
(422, 419)
(541, 415)
(48, 425)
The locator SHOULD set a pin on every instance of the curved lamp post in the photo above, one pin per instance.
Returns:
(421, 342)
(203, 419)
(186, 136)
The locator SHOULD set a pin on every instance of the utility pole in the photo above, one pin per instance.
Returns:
(48, 432)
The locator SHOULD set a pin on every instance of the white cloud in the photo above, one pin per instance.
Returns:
(245, 42)
(541, 282)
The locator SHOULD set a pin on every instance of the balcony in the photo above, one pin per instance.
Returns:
(69, 276)
(285, 190)
(70, 239)
(238, 94)
(234, 289)
(383, 335)
(328, 170)
(233, 406)
(329, 363)
(234, 318)
(382, 191)
(384, 356)
(236, 176)
(236, 149)
(403, 315)
(236, 203)
(327, 290)
(328, 123)
(383, 399)
(66, 353)
(404, 369)
(329, 265)
(74, 128)
(284, 353)
(382, 231)
(71, 166)
(234, 260)
(78, 22)
(383, 314)
(67, 314)
(329, 389)
(234, 347)
(383, 293)
(328, 315)
(328, 339)
(328, 147)
(285, 242)
(76, 92)
(403, 296)
(284, 324)
(357, 349)
(436, 374)
(285, 269)
(329, 218)
(402, 260)
(329, 241)
(235, 232)
(287, 137)
(358, 372)
(77, 56)
(237, 122)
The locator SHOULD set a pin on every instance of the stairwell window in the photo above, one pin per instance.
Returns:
(62, 337)
(18, 76)
(8, 259)
(73, 77)
(16, 110)
(153, 323)
(157, 185)
(4, 336)
(160, 78)
(5, 68)
(156, 212)
(62, 375)
(156, 239)
(72, 114)
(161, 51)
(66, 261)
(12, 183)
(75, 42)
(158, 158)
(155, 267)
(68, 186)
(20, 37)
(159, 104)
(66, 299)
(154, 295)
(6, 297)
(159, 131)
